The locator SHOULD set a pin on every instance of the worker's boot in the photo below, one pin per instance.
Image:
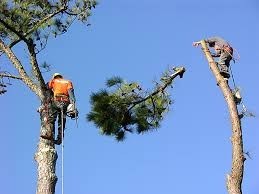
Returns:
(58, 141)
(225, 75)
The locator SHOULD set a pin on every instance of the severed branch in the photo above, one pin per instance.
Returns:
(125, 110)
(178, 71)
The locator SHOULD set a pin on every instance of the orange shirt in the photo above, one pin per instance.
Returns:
(60, 86)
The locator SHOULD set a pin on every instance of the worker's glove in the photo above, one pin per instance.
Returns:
(196, 44)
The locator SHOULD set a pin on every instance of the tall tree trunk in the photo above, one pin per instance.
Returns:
(46, 156)
(234, 179)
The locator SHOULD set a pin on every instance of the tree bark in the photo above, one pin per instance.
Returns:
(234, 179)
(46, 156)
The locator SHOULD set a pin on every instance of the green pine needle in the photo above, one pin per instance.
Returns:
(127, 108)
(114, 81)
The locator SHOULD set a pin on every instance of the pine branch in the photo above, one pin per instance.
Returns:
(30, 44)
(17, 64)
(178, 71)
(128, 108)
(38, 24)
(9, 27)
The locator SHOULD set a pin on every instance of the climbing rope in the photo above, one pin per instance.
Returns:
(62, 151)
(232, 77)
(236, 89)
(237, 56)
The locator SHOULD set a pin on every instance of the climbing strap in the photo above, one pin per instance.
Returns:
(232, 77)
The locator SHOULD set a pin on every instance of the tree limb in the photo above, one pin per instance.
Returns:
(30, 44)
(19, 34)
(38, 24)
(34, 63)
(17, 64)
(2, 75)
(178, 71)
(71, 14)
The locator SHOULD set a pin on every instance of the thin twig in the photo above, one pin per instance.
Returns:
(2, 75)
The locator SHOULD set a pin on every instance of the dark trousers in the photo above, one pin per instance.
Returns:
(57, 107)
(224, 61)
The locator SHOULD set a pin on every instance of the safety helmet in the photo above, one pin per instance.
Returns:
(56, 74)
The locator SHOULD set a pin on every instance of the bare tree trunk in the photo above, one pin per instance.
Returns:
(234, 179)
(46, 157)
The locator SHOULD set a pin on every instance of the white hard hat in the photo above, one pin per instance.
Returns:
(56, 74)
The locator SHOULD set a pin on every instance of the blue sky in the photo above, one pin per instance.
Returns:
(138, 40)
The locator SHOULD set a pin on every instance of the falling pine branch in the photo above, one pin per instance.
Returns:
(125, 107)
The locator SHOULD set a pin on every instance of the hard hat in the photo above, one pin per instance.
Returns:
(56, 74)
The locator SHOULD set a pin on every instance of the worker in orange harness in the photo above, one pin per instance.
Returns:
(63, 96)
(223, 50)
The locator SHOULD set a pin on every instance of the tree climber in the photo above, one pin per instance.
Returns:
(63, 95)
(223, 50)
